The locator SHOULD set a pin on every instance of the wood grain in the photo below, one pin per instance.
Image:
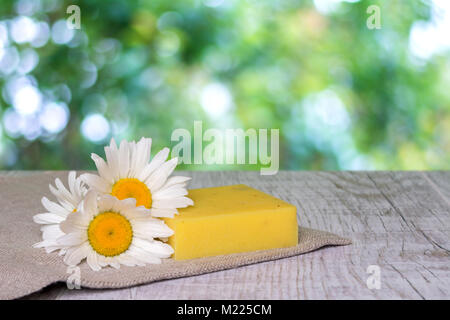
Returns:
(399, 221)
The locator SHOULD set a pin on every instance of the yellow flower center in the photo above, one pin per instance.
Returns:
(133, 188)
(110, 234)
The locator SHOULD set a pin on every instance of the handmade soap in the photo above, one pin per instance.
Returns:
(232, 219)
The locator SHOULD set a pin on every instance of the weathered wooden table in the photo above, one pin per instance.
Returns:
(399, 223)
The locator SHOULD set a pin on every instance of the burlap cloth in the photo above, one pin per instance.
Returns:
(24, 270)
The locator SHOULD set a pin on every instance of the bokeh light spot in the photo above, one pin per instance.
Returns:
(60, 33)
(95, 128)
(27, 100)
(216, 99)
(54, 117)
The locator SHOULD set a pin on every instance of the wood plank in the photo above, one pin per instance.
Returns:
(399, 221)
(440, 182)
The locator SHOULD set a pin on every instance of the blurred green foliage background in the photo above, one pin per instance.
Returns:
(343, 96)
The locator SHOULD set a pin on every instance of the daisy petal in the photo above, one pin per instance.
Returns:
(54, 207)
(138, 213)
(72, 180)
(66, 201)
(48, 245)
(159, 177)
(128, 260)
(47, 218)
(112, 158)
(176, 180)
(163, 212)
(75, 256)
(75, 222)
(171, 192)
(181, 202)
(124, 159)
(140, 156)
(96, 182)
(156, 248)
(72, 239)
(90, 203)
(156, 162)
(92, 260)
(152, 229)
(143, 255)
(103, 169)
(106, 202)
(63, 191)
(51, 232)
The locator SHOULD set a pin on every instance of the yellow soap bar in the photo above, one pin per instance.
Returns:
(232, 219)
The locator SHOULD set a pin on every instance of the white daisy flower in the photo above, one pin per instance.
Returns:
(69, 201)
(129, 173)
(107, 231)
